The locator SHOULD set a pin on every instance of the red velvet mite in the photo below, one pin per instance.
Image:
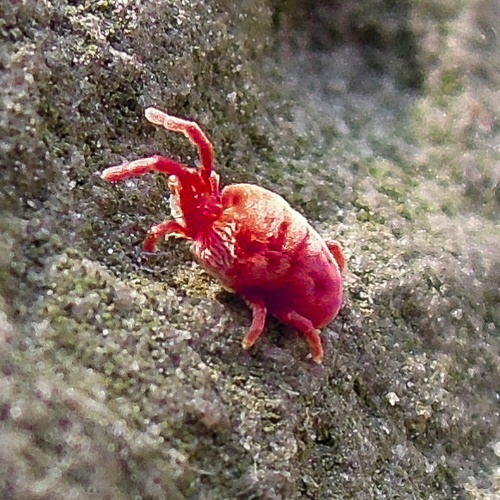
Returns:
(247, 237)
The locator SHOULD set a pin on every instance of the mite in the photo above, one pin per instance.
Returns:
(248, 238)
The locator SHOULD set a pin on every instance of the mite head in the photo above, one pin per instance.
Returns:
(195, 199)
(193, 203)
(195, 193)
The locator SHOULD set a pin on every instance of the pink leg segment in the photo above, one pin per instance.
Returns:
(192, 131)
(305, 326)
(258, 322)
(143, 166)
(160, 231)
(337, 254)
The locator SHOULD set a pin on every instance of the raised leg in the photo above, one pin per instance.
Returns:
(258, 322)
(160, 231)
(143, 166)
(192, 131)
(338, 255)
(305, 326)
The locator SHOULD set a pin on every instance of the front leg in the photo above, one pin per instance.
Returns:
(193, 132)
(144, 166)
(156, 233)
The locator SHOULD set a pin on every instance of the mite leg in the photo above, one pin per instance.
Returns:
(160, 231)
(305, 326)
(192, 131)
(145, 165)
(258, 322)
(337, 254)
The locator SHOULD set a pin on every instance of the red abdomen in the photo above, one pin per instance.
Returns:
(273, 254)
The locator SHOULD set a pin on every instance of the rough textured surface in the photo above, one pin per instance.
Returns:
(122, 374)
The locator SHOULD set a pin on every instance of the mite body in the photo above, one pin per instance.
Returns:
(247, 237)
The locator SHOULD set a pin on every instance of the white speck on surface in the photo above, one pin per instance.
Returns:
(15, 412)
(392, 397)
